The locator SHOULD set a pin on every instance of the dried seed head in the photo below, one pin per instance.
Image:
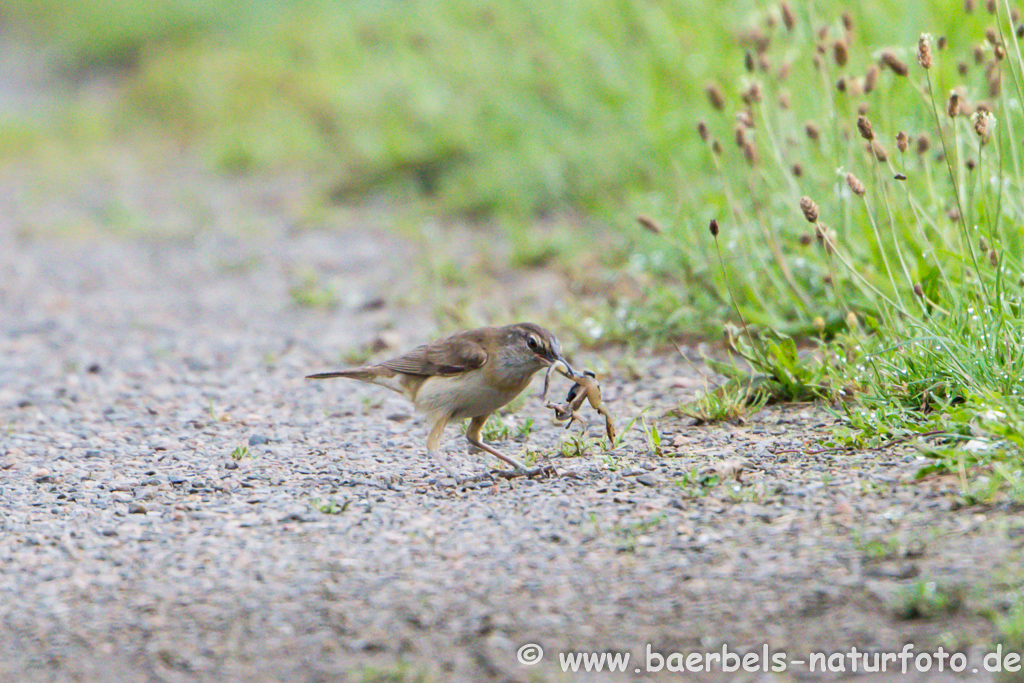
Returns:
(879, 151)
(923, 143)
(992, 36)
(993, 259)
(889, 59)
(812, 131)
(750, 152)
(648, 224)
(1019, 30)
(898, 176)
(979, 55)
(797, 170)
(856, 186)
(714, 96)
(984, 122)
(902, 141)
(864, 126)
(940, 42)
(716, 147)
(713, 228)
(862, 109)
(745, 117)
(847, 22)
(983, 245)
(806, 239)
(1000, 52)
(740, 134)
(968, 6)
(840, 53)
(752, 94)
(990, 5)
(970, 164)
(788, 18)
(784, 101)
(924, 51)
(954, 214)
(918, 290)
(702, 130)
(961, 68)
(953, 105)
(810, 209)
(870, 78)
(841, 84)
(748, 61)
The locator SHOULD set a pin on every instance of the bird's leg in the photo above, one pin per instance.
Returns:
(473, 437)
(434, 442)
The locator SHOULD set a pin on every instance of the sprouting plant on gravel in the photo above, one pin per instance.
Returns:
(652, 434)
(878, 548)
(1010, 626)
(530, 457)
(621, 435)
(240, 452)
(731, 401)
(398, 673)
(329, 506)
(927, 599)
(309, 292)
(611, 462)
(693, 484)
(577, 446)
(496, 428)
(525, 429)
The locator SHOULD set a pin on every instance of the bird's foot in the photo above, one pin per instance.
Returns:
(541, 472)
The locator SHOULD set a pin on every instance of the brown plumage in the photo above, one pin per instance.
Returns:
(467, 375)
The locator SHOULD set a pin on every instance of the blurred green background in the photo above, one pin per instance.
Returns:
(481, 107)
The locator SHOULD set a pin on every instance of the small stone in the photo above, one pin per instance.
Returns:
(647, 479)
(258, 440)
(137, 508)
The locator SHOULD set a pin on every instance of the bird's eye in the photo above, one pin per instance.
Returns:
(532, 343)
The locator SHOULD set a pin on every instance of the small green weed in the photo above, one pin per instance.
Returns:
(240, 452)
(310, 292)
(926, 599)
(329, 506)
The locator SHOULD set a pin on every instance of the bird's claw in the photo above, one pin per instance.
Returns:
(542, 471)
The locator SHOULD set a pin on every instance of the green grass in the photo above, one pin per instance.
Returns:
(414, 99)
(905, 266)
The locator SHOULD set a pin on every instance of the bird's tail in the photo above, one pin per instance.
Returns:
(362, 374)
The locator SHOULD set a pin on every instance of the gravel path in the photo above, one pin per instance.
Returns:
(139, 542)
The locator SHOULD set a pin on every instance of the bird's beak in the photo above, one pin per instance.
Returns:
(562, 366)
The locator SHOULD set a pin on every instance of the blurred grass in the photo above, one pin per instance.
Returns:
(481, 107)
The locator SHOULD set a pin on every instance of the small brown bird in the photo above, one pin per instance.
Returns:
(470, 374)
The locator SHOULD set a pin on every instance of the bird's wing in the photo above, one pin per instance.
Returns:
(443, 357)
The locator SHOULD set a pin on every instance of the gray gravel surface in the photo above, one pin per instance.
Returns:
(139, 542)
